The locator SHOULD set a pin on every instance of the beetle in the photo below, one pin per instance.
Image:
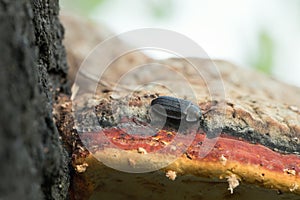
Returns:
(176, 109)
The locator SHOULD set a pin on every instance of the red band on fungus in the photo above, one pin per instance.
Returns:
(233, 149)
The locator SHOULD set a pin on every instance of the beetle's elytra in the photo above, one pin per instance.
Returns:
(176, 109)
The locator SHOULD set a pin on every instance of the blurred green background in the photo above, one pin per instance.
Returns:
(264, 35)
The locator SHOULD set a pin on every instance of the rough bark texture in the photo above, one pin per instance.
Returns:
(33, 70)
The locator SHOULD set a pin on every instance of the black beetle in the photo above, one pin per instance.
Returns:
(176, 109)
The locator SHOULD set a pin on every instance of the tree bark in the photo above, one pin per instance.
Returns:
(33, 71)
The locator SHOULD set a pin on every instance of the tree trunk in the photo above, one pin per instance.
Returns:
(33, 71)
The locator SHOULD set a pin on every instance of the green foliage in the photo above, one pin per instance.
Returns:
(161, 9)
(81, 6)
(157, 9)
(264, 55)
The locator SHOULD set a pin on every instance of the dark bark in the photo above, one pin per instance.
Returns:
(33, 70)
